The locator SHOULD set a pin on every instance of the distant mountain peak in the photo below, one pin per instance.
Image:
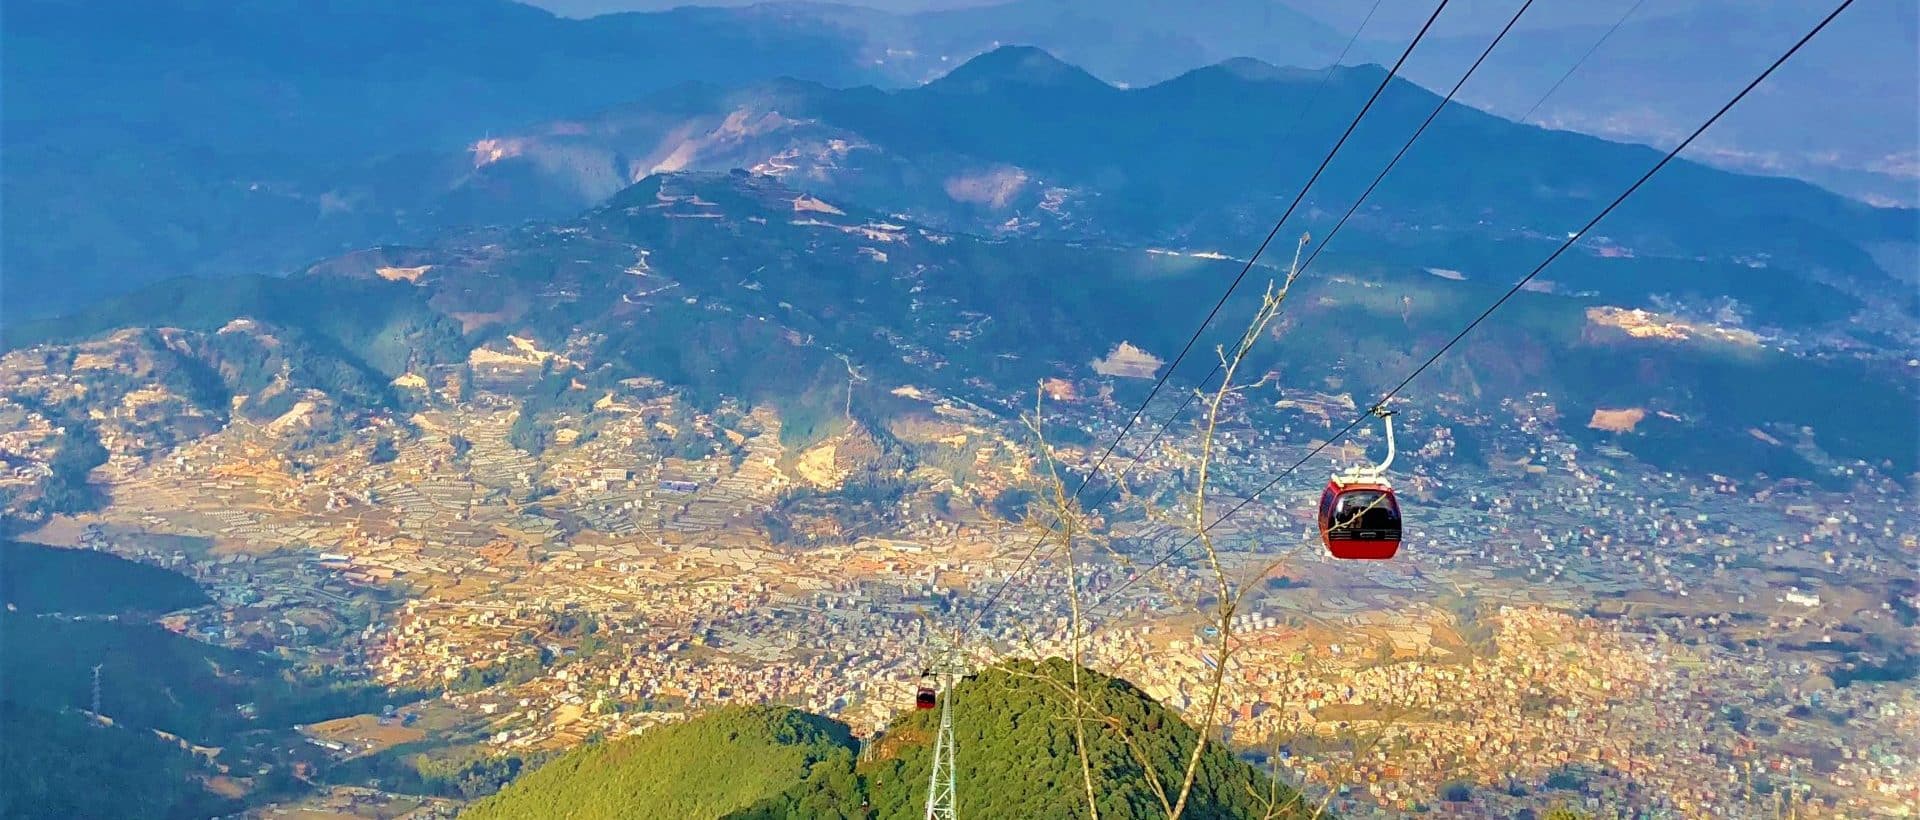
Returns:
(1255, 70)
(1017, 66)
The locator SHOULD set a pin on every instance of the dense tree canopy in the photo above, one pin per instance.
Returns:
(35, 578)
(53, 764)
(709, 767)
(54, 757)
(1013, 726)
(1016, 759)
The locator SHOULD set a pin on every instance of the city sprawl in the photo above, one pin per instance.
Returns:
(1566, 619)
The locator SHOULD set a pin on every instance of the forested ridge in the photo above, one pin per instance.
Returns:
(75, 624)
(1016, 758)
(712, 766)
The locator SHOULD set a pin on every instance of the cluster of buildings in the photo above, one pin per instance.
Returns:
(1566, 624)
(1554, 708)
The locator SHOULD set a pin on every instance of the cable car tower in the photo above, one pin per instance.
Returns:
(940, 790)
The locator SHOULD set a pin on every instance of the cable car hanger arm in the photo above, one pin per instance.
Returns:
(1373, 472)
(1387, 416)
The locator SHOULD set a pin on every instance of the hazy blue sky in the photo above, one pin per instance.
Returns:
(588, 8)
(1392, 19)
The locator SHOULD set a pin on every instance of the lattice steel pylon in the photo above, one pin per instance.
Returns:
(940, 791)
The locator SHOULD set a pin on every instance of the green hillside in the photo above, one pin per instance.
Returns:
(1017, 756)
(75, 609)
(1016, 759)
(34, 579)
(370, 326)
(53, 764)
(729, 309)
(155, 679)
(709, 767)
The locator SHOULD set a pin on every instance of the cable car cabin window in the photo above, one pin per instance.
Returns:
(1365, 515)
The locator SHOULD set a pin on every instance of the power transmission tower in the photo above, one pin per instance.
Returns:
(940, 791)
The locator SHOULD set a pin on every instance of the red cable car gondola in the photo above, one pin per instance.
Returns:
(1359, 515)
(925, 698)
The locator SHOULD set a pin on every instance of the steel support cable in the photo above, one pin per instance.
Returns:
(1408, 145)
(1300, 114)
(1582, 61)
(1393, 72)
(1175, 416)
(1570, 241)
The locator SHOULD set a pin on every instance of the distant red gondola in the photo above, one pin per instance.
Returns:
(1359, 515)
(925, 698)
(1360, 520)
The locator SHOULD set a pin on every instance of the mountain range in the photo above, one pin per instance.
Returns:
(196, 137)
(224, 138)
(520, 256)
(1014, 220)
(1017, 142)
(1692, 53)
(1670, 64)
(737, 285)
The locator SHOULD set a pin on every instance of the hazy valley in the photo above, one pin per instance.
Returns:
(677, 396)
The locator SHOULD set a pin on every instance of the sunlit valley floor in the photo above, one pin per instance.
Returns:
(1570, 626)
